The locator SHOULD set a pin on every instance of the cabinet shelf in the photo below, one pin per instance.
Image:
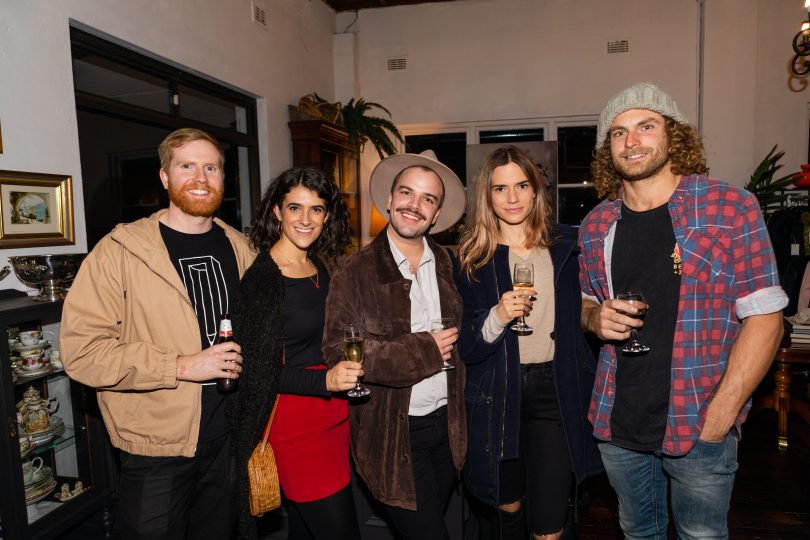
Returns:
(23, 379)
(65, 438)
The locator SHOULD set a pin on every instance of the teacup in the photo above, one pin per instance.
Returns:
(30, 337)
(32, 362)
(25, 443)
(31, 470)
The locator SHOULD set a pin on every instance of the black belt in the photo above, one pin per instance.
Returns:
(545, 367)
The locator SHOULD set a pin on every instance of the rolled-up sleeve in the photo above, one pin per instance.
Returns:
(755, 272)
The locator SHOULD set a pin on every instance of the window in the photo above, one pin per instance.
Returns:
(126, 104)
(573, 196)
(575, 193)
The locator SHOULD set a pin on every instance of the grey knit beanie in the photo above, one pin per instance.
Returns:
(641, 95)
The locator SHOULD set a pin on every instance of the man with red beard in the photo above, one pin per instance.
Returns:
(409, 436)
(139, 324)
(668, 404)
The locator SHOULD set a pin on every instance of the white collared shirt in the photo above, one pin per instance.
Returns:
(431, 393)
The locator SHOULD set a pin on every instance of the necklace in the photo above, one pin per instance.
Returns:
(317, 280)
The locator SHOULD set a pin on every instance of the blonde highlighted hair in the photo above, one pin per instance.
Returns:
(482, 232)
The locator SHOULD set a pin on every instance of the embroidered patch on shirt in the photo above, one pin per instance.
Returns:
(676, 260)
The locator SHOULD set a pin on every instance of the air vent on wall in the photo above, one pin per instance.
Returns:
(618, 46)
(397, 64)
(259, 14)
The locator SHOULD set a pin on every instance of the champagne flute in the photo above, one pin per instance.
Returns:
(436, 326)
(636, 299)
(522, 280)
(353, 341)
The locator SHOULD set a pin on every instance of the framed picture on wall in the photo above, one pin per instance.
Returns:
(35, 210)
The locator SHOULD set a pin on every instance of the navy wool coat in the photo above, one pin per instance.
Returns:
(492, 393)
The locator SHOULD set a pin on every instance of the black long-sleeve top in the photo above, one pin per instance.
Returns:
(304, 305)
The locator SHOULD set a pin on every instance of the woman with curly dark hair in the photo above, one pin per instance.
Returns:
(300, 224)
(685, 152)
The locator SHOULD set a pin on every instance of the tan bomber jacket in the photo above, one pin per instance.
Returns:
(125, 321)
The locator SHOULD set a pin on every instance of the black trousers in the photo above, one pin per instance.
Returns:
(541, 476)
(434, 475)
(330, 518)
(174, 498)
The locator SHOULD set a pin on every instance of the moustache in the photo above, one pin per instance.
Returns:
(413, 211)
(644, 150)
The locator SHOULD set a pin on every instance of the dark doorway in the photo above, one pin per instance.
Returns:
(126, 104)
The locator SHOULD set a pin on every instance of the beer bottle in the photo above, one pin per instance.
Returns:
(225, 385)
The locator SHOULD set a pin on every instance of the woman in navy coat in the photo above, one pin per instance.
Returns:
(527, 395)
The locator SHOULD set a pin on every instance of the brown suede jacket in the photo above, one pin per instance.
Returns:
(370, 290)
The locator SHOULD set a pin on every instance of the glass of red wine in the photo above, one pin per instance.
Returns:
(636, 299)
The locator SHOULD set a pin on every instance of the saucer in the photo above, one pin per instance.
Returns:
(39, 494)
(19, 347)
(22, 373)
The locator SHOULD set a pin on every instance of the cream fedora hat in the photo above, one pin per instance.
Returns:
(382, 178)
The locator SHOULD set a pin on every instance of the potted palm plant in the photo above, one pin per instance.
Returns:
(770, 192)
(361, 126)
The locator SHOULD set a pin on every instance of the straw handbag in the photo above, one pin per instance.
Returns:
(265, 490)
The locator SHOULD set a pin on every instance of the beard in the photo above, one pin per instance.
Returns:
(659, 158)
(195, 207)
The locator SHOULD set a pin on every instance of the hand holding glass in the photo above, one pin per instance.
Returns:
(635, 299)
(522, 279)
(436, 326)
(353, 344)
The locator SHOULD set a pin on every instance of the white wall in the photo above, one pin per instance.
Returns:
(500, 59)
(213, 37)
(491, 60)
(729, 89)
(781, 108)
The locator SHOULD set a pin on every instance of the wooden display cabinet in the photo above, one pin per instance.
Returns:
(79, 452)
(325, 146)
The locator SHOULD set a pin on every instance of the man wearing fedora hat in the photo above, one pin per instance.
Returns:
(668, 413)
(409, 436)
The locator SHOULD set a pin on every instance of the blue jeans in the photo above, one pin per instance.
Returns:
(700, 484)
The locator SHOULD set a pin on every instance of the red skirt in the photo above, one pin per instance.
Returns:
(310, 439)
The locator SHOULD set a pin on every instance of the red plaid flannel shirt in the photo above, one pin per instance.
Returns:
(728, 273)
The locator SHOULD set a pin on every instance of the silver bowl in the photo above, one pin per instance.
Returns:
(50, 272)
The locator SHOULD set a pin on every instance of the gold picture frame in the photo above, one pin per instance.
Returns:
(35, 210)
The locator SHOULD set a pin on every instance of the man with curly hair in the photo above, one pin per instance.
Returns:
(697, 248)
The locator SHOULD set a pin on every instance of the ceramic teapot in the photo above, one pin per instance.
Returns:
(33, 412)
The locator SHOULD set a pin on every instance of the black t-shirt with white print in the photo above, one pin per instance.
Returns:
(207, 267)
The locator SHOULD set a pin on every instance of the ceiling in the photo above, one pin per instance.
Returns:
(352, 5)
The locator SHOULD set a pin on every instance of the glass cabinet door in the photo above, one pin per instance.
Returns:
(57, 468)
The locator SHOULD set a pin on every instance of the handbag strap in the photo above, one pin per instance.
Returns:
(266, 434)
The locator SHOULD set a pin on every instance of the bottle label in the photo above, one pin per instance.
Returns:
(225, 327)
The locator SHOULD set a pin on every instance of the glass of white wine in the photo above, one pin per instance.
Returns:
(353, 343)
(436, 326)
(636, 299)
(522, 280)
